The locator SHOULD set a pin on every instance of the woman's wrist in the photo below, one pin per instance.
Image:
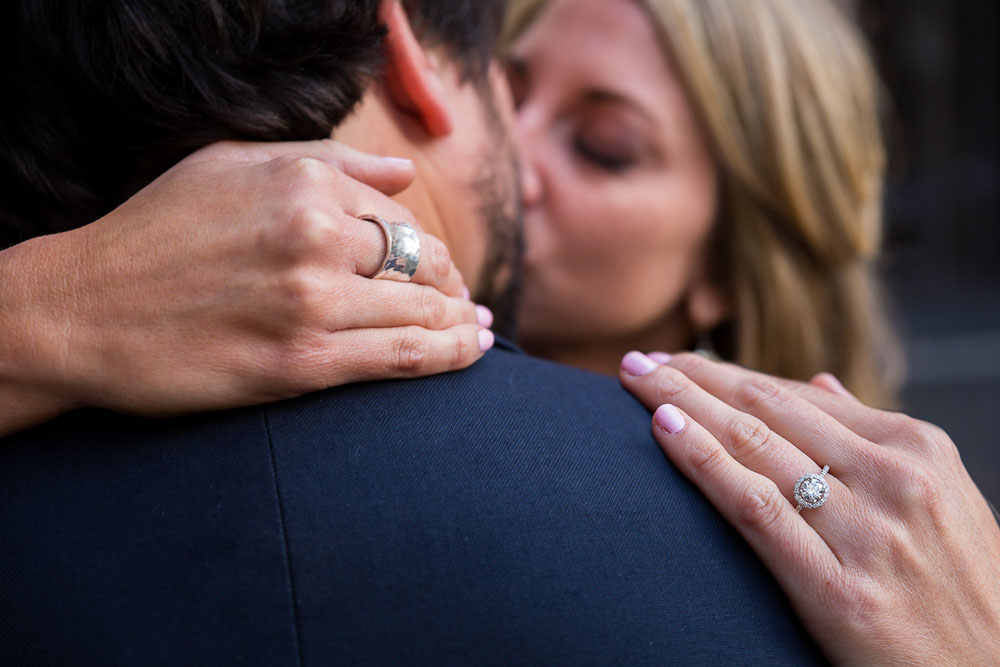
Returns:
(34, 358)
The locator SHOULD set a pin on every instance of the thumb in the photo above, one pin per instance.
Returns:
(388, 175)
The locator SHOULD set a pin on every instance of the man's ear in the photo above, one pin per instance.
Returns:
(412, 78)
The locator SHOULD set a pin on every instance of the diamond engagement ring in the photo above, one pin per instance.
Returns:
(811, 490)
(402, 250)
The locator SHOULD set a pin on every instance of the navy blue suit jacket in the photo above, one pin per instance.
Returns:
(515, 512)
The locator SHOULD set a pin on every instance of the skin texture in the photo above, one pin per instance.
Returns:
(899, 567)
(267, 300)
(619, 188)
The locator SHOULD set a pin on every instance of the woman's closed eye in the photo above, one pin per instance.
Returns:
(608, 158)
(614, 151)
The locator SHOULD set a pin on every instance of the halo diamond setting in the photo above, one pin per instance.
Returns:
(811, 490)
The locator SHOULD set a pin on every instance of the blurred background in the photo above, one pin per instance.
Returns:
(939, 62)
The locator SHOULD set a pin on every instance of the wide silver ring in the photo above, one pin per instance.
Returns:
(402, 250)
(812, 490)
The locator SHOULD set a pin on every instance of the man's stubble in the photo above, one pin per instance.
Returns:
(498, 190)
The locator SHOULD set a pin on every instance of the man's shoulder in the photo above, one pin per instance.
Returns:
(516, 511)
(516, 495)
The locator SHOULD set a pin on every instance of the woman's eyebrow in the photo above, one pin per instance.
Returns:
(604, 96)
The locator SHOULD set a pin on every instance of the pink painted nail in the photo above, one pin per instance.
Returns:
(485, 316)
(833, 384)
(637, 363)
(486, 339)
(661, 358)
(670, 419)
(398, 162)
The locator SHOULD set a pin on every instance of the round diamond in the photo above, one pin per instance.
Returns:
(811, 491)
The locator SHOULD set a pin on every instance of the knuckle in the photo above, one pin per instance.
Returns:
(903, 427)
(930, 435)
(436, 259)
(299, 294)
(706, 460)
(671, 384)
(410, 351)
(469, 313)
(433, 309)
(761, 507)
(461, 350)
(307, 170)
(689, 362)
(305, 230)
(757, 394)
(923, 436)
(747, 436)
(920, 489)
(295, 288)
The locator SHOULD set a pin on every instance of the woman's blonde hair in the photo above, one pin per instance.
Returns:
(787, 97)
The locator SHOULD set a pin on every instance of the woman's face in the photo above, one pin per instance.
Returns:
(619, 186)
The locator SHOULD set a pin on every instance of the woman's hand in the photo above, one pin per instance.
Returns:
(902, 563)
(236, 278)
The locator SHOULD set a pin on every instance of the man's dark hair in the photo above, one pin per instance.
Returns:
(105, 96)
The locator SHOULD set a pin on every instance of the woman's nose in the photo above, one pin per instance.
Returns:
(531, 182)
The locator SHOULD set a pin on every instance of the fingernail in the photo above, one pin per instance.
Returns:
(485, 316)
(669, 419)
(486, 339)
(398, 162)
(466, 293)
(836, 386)
(661, 358)
(637, 363)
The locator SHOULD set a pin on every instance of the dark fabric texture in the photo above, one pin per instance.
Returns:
(518, 512)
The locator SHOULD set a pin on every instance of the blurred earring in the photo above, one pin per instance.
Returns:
(705, 346)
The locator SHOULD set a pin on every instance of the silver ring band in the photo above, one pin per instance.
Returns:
(812, 490)
(402, 249)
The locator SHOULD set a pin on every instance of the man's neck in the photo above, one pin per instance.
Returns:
(373, 128)
(605, 355)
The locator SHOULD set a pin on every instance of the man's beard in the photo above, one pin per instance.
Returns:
(498, 191)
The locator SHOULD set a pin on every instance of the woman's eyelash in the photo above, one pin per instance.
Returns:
(605, 160)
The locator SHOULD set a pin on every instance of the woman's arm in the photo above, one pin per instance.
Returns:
(236, 278)
(901, 565)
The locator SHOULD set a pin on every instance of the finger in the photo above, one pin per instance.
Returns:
(747, 438)
(791, 550)
(386, 303)
(404, 352)
(435, 268)
(877, 426)
(820, 436)
(831, 384)
(388, 175)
